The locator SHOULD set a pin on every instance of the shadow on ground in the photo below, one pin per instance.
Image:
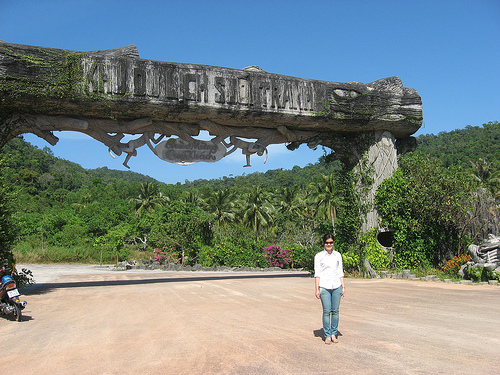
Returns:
(43, 288)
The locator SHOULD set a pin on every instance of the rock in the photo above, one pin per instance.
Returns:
(406, 274)
(484, 257)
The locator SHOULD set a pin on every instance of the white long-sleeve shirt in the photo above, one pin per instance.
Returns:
(329, 269)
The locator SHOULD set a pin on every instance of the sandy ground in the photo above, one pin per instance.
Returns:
(89, 320)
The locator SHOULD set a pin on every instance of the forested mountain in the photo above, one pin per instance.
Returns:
(39, 169)
(296, 177)
(462, 147)
(33, 164)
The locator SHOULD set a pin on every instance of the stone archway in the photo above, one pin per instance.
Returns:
(108, 94)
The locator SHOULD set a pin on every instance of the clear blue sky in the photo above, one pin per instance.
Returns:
(448, 50)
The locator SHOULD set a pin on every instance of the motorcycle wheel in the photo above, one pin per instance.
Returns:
(17, 313)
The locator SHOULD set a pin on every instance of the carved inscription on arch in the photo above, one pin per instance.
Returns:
(207, 86)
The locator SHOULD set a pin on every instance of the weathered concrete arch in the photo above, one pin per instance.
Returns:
(107, 94)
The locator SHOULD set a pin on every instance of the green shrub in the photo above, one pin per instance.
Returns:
(303, 257)
(411, 249)
(207, 256)
(350, 261)
(111, 245)
(57, 254)
(427, 205)
(70, 235)
(481, 274)
(374, 252)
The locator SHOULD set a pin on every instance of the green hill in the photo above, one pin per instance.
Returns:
(40, 169)
(462, 146)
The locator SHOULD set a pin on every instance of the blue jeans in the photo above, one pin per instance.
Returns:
(330, 300)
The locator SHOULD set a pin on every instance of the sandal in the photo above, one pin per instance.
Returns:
(328, 340)
(334, 339)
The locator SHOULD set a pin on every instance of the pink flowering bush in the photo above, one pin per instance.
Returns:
(165, 256)
(278, 257)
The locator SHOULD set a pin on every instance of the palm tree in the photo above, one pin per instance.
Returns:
(85, 199)
(193, 197)
(284, 198)
(304, 208)
(258, 210)
(222, 204)
(149, 198)
(482, 169)
(483, 173)
(494, 183)
(324, 196)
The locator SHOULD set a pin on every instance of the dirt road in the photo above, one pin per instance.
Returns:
(85, 320)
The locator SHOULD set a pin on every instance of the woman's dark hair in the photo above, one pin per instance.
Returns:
(328, 236)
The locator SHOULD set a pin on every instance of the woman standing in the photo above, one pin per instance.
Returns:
(329, 283)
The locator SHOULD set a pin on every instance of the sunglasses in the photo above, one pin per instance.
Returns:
(329, 243)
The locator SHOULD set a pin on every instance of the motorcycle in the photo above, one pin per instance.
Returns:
(10, 304)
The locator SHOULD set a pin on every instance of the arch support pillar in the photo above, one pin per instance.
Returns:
(382, 161)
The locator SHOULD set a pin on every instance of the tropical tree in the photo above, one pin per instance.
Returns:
(222, 204)
(493, 183)
(193, 197)
(84, 200)
(483, 172)
(7, 229)
(324, 196)
(284, 198)
(181, 228)
(482, 169)
(257, 209)
(304, 208)
(149, 198)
